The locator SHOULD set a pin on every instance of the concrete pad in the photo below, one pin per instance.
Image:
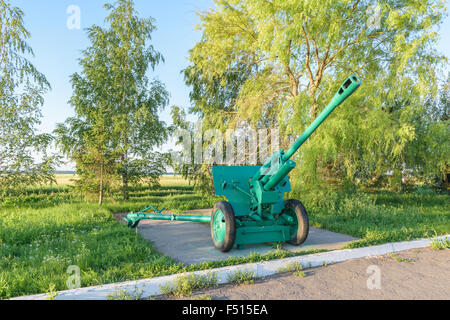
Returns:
(190, 242)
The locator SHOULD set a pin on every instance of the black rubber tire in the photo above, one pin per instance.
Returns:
(230, 226)
(302, 219)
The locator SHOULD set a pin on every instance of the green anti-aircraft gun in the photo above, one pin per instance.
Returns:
(256, 211)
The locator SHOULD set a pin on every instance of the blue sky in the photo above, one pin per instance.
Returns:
(57, 48)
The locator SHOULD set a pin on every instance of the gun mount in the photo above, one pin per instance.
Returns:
(256, 211)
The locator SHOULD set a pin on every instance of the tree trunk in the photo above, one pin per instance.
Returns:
(100, 197)
(125, 186)
(314, 111)
(126, 196)
(314, 106)
(124, 104)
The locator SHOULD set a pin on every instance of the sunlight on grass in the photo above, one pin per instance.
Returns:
(50, 228)
(65, 179)
(173, 180)
(165, 180)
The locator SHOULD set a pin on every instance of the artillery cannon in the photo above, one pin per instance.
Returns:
(256, 211)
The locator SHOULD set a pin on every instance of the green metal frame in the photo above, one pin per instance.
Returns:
(219, 226)
(256, 192)
(133, 218)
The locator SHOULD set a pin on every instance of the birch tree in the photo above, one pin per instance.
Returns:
(117, 124)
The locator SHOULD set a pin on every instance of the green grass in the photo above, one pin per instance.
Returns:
(296, 268)
(38, 246)
(125, 295)
(202, 298)
(300, 273)
(440, 244)
(48, 229)
(382, 217)
(185, 285)
(242, 277)
(395, 257)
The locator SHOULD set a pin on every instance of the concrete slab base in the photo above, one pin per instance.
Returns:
(190, 242)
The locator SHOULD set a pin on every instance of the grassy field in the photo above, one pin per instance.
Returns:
(50, 228)
(65, 179)
(166, 180)
(380, 217)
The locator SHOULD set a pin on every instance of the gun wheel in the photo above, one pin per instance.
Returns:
(223, 226)
(300, 227)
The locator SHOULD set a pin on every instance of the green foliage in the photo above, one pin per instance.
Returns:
(38, 245)
(22, 88)
(395, 257)
(116, 124)
(136, 99)
(440, 244)
(87, 143)
(196, 172)
(186, 284)
(202, 298)
(380, 217)
(300, 273)
(51, 292)
(54, 229)
(242, 277)
(261, 64)
(125, 295)
(295, 267)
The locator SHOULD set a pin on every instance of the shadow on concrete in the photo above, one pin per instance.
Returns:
(190, 242)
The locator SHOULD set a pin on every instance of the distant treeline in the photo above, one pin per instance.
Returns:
(73, 172)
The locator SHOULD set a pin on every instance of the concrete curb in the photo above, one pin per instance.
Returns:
(152, 287)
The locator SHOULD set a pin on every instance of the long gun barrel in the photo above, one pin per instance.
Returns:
(349, 86)
(272, 178)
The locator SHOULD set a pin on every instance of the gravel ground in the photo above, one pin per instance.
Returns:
(412, 274)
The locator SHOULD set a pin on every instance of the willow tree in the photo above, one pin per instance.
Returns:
(294, 55)
(116, 103)
(22, 88)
